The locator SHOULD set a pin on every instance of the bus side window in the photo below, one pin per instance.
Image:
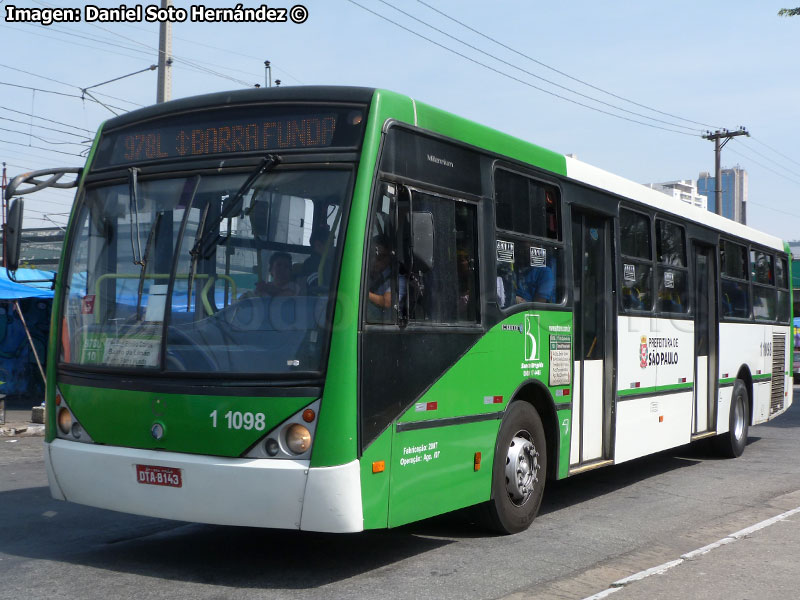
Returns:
(529, 255)
(381, 288)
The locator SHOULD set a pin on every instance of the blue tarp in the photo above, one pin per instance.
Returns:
(19, 375)
(10, 290)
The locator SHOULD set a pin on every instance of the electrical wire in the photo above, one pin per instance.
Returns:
(764, 156)
(158, 51)
(43, 91)
(27, 114)
(517, 79)
(40, 148)
(775, 151)
(41, 139)
(763, 166)
(72, 85)
(83, 136)
(567, 75)
(531, 74)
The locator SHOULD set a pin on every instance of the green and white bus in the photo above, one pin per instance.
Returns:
(337, 309)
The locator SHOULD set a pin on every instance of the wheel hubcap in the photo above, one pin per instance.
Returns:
(522, 467)
(738, 416)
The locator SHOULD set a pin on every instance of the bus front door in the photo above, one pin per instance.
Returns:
(594, 336)
(705, 340)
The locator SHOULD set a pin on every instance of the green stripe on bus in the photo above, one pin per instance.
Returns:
(655, 389)
(762, 377)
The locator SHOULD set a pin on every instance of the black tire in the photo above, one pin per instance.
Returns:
(509, 512)
(732, 443)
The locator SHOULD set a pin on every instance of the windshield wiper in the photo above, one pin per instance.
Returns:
(133, 209)
(143, 263)
(233, 206)
(198, 237)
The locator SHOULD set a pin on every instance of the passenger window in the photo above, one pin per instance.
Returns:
(761, 267)
(782, 281)
(529, 253)
(381, 291)
(635, 234)
(735, 291)
(672, 274)
(446, 291)
(637, 267)
(423, 260)
(734, 260)
(781, 273)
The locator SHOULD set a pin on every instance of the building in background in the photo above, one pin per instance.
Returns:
(734, 193)
(684, 190)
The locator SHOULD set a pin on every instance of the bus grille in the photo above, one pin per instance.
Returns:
(778, 375)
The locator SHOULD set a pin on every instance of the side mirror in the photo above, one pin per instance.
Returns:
(13, 234)
(422, 242)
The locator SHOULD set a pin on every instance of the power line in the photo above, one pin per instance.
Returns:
(531, 74)
(765, 166)
(64, 83)
(89, 131)
(775, 151)
(46, 128)
(517, 79)
(31, 135)
(158, 51)
(43, 91)
(788, 170)
(567, 75)
(40, 148)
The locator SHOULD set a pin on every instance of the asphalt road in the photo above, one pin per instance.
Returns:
(593, 530)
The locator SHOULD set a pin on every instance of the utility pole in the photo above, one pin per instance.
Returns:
(164, 89)
(718, 135)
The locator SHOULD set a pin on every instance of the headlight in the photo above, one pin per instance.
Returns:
(64, 421)
(298, 438)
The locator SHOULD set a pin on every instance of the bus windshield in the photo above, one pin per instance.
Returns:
(222, 273)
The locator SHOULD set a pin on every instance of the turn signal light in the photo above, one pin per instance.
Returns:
(379, 466)
(309, 415)
(477, 461)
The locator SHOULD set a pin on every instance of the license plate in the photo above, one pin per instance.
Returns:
(152, 475)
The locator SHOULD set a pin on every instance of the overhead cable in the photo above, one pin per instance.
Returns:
(517, 79)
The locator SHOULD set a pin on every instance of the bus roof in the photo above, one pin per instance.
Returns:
(311, 93)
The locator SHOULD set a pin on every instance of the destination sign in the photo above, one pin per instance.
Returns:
(229, 131)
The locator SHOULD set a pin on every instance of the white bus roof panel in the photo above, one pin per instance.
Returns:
(585, 173)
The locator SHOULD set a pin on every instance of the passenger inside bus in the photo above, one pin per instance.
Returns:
(281, 283)
(309, 269)
(380, 276)
(537, 284)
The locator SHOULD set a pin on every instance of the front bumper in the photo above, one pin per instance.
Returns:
(281, 494)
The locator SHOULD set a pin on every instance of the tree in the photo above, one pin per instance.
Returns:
(789, 12)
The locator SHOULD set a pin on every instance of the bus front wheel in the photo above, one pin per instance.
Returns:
(519, 470)
(731, 444)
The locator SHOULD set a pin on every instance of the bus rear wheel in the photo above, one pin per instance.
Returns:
(732, 443)
(519, 470)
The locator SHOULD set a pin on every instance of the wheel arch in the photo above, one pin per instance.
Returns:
(537, 395)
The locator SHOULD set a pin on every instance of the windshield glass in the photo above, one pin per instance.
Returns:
(205, 274)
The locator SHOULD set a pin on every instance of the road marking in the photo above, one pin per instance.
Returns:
(663, 568)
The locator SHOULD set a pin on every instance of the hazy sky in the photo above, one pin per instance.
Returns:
(703, 65)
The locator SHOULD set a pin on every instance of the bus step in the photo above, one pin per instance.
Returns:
(703, 435)
(595, 465)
